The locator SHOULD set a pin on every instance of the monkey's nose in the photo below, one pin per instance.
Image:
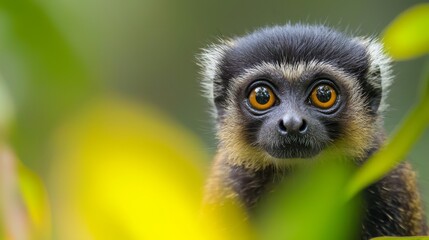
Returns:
(292, 123)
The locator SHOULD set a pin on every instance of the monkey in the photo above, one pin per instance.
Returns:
(284, 94)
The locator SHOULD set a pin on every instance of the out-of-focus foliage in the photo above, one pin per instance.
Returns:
(6, 110)
(408, 35)
(395, 151)
(125, 171)
(24, 209)
(35, 199)
(46, 77)
(311, 206)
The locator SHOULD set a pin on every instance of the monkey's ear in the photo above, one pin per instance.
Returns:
(210, 61)
(374, 88)
(379, 74)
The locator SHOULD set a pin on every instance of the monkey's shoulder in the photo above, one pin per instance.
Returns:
(394, 206)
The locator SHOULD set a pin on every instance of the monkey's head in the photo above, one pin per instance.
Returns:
(285, 93)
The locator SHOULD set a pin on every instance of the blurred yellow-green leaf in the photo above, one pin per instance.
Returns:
(125, 171)
(35, 199)
(24, 209)
(43, 71)
(408, 35)
(310, 206)
(395, 151)
(426, 87)
(6, 110)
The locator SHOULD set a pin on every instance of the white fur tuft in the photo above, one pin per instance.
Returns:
(378, 57)
(209, 60)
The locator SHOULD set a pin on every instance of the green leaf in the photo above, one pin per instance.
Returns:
(45, 74)
(408, 35)
(394, 152)
(148, 185)
(24, 208)
(6, 109)
(34, 196)
(426, 86)
(311, 199)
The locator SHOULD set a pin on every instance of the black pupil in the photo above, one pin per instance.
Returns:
(323, 93)
(262, 95)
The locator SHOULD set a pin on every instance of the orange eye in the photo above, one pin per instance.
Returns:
(262, 98)
(323, 96)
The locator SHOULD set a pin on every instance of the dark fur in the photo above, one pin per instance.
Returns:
(251, 184)
(392, 205)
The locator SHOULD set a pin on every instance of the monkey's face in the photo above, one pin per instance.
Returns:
(292, 111)
(291, 118)
(292, 92)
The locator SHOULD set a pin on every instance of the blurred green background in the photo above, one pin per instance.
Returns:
(56, 56)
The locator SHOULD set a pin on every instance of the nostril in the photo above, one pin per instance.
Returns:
(303, 127)
(282, 127)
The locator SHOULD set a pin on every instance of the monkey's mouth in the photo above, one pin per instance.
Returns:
(293, 151)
